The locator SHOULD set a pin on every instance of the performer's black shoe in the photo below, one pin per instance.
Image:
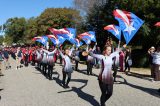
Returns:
(67, 86)
(159, 90)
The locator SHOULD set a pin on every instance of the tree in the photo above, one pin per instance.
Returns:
(1, 40)
(31, 29)
(101, 15)
(57, 18)
(15, 28)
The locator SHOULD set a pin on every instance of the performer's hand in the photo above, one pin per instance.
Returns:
(124, 45)
(57, 46)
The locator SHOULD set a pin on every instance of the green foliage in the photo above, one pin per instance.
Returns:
(31, 29)
(147, 10)
(21, 30)
(58, 18)
(15, 28)
(1, 40)
(8, 40)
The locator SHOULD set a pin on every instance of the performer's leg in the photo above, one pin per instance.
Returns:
(109, 91)
(103, 89)
(68, 80)
(64, 78)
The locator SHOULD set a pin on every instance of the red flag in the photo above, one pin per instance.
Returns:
(35, 38)
(157, 24)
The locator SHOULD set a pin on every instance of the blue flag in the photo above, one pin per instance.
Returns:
(41, 39)
(115, 30)
(128, 22)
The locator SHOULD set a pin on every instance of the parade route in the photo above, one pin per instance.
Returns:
(28, 87)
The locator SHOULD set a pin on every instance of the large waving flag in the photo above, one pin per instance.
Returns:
(41, 39)
(57, 40)
(157, 24)
(128, 22)
(115, 30)
(88, 35)
(86, 40)
(77, 42)
(67, 33)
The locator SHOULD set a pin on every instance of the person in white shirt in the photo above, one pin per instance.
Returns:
(156, 63)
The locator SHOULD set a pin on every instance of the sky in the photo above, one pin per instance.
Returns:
(28, 8)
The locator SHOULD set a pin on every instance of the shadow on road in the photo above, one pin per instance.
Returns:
(141, 76)
(151, 91)
(58, 81)
(1, 90)
(83, 95)
(85, 72)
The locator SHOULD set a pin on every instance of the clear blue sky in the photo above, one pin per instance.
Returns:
(28, 8)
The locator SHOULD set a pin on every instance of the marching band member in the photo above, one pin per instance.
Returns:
(38, 58)
(90, 61)
(50, 61)
(44, 62)
(105, 77)
(67, 68)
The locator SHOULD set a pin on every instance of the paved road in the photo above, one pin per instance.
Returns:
(28, 87)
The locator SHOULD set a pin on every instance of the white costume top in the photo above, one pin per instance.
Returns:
(106, 70)
(67, 62)
(39, 56)
(50, 56)
(44, 57)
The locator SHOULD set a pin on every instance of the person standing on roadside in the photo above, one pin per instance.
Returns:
(19, 57)
(151, 51)
(1, 59)
(156, 63)
(6, 59)
(128, 60)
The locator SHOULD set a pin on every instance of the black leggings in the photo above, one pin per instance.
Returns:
(65, 74)
(107, 90)
(127, 66)
(76, 66)
(50, 70)
(89, 68)
(44, 68)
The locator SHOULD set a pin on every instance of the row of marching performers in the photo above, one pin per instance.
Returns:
(45, 60)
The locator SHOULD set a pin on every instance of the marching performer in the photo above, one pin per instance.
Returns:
(90, 61)
(50, 61)
(67, 68)
(105, 77)
(44, 62)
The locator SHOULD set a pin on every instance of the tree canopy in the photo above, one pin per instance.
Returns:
(21, 30)
(99, 14)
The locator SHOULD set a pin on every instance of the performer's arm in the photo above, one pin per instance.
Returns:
(62, 55)
(98, 56)
(70, 53)
(52, 53)
(46, 51)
